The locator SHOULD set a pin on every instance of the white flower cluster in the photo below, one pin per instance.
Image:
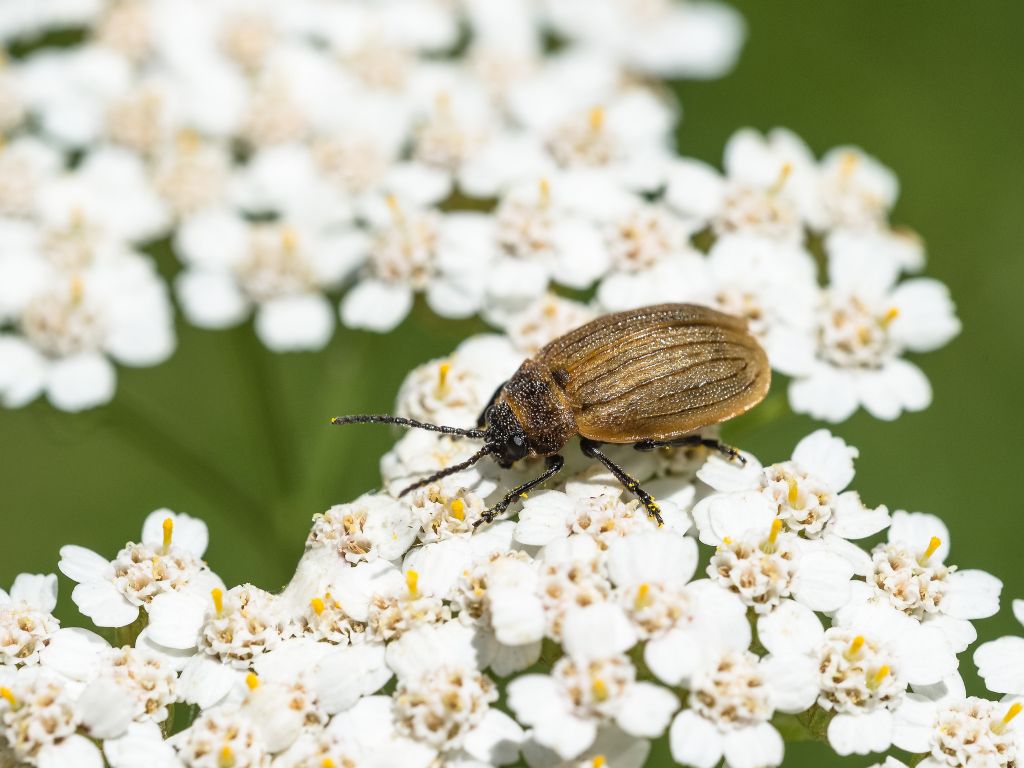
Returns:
(570, 634)
(479, 153)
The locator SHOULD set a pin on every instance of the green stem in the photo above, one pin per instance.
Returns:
(127, 635)
(263, 376)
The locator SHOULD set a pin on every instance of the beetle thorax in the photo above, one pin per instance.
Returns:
(541, 407)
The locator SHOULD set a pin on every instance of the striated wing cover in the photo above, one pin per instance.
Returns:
(658, 372)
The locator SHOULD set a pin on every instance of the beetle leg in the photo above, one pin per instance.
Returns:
(692, 440)
(590, 449)
(554, 464)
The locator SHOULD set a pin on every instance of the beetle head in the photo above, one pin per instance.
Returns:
(505, 436)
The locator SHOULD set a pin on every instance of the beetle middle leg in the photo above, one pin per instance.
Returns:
(692, 440)
(591, 449)
(554, 464)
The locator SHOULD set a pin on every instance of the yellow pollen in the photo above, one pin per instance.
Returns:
(459, 509)
(187, 140)
(412, 580)
(598, 762)
(168, 534)
(848, 163)
(77, 289)
(545, 192)
(768, 546)
(727, 540)
(226, 757)
(396, 210)
(854, 649)
(879, 676)
(7, 695)
(442, 375)
(218, 599)
(252, 681)
(596, 119)
(328, 763)
(599, 689)
(933, 545)
(864, 334)
(889, 316)
(1012, 712)
(524, 495)
(784, 173)
(794, 491)
(317, 605)
(643, 596)
(289, 240)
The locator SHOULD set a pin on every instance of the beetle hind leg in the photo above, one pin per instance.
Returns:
(692, 441)
(554, 464)
(591, 450)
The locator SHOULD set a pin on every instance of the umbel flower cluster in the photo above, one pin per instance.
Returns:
(313, 159)
(570, 632)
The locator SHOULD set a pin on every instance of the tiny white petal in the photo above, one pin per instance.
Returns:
(81, 564)
(104, 604)
(756, 746)
(695, 741)
(646, 709)
(862, 733)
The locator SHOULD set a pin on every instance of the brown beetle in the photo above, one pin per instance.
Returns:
(651, 377)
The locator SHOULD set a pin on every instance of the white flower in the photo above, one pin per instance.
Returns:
(807, 493)
(69, 323)
(909, 575)
(221, 736)
(145, 678)
(664, 39)
(281, 268)
(454, 390)
(240, 625)
(865, 324)
(612, 747)
(544, 320)
(856, 190)
(731, 701)
(420, 250)
(26, 618)
(1001, 662)
(142, 744)
(768, 189)
(166, 560)
(593, 683)
(958, 730)
(373, 526)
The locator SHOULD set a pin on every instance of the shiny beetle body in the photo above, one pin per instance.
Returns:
(649, 377)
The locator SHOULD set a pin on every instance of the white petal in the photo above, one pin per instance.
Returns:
(73, 752)
(37, 590)
(822, 581)
(105, 709)
(517, 616)
(439, 565)
(81, 564)
(82, 381)
(1001, 664)
(926, 318)
(826, 457)
(290, 659)
(959, 633)
(104, 604)
(206, 682)
(496, 740)
(659, 557)
(509, 659)
(915, 530)
(732, 515)
(971, 594)
(862, 733)
(757, 746)
(189, 533)
(75, 653)
(347, 674)
(295, 323)
(535, 698)
(825, 393)
(695, 741)
(597, 631)
(22, 371)
(354, 587)
(422, 649)
(645, 710)
(674, 656)
(793, 679)
(852, 520)
(926, 656)
(724, 475)
(376, 306)
(1018, 610)
(898, 386)
(913, 724)
(142, 744)
(790, 628)
(210, 299)
(175, 619)
(569, 736)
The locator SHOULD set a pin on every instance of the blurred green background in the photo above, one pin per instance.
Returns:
(239, 436)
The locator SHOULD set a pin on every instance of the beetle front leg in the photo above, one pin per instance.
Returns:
(692, 440)
(554, 464)
(590, 449)
(481, 420)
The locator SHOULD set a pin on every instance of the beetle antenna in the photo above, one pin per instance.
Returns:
(487, 449)
(372, 418)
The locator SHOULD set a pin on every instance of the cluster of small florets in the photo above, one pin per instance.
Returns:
(307, 161)
(573, 630)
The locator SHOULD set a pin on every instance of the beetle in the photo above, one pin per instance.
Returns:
(651, 377)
